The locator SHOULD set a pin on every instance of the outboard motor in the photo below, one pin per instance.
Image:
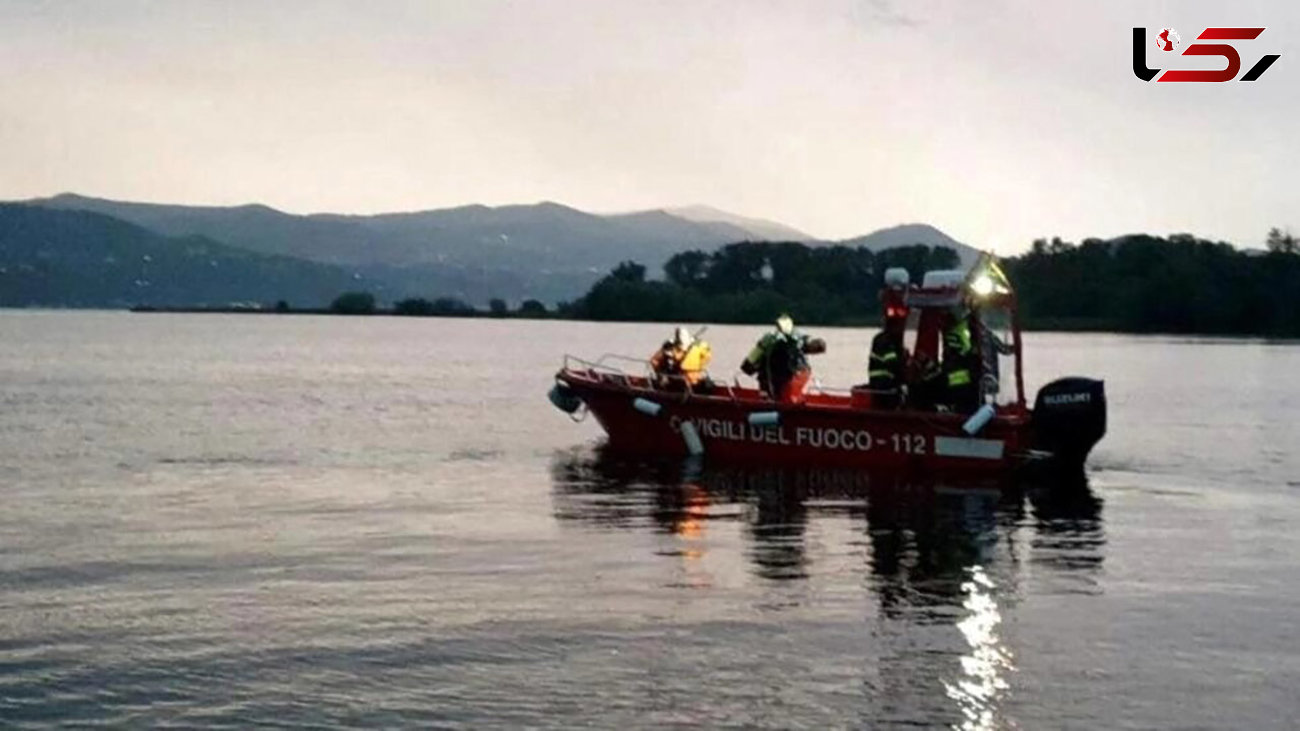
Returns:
(1070, 418)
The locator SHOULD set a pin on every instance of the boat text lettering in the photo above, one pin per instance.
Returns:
(859, 440)
(1067, 398)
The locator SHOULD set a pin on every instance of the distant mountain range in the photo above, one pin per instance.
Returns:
(913, 233)
(83, 259)
(545, 251)
(760, 229)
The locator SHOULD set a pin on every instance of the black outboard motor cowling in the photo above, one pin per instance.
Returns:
(1070, 418)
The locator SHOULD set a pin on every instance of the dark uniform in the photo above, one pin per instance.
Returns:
(776, 360)
(887, 369)
(960, 367)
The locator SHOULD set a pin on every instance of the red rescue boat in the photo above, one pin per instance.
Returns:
(734, 423)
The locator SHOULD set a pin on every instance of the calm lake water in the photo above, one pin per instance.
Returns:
(229, 521)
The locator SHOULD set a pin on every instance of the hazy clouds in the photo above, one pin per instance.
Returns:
(996, 121)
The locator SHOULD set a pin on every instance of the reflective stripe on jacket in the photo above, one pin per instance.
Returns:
(959, 356)
(888, 361)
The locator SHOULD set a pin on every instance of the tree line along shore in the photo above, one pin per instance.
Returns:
(1137, 284)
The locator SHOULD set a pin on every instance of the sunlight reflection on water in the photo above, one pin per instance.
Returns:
(986, 666)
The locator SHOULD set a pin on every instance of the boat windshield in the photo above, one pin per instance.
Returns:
(996, 341)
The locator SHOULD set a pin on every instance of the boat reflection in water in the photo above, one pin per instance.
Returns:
(936, 567)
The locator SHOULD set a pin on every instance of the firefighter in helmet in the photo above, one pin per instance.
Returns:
(778, 361)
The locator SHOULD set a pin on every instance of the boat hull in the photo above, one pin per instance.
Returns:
(742, 426)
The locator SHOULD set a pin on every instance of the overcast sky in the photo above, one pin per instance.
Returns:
(996, 121)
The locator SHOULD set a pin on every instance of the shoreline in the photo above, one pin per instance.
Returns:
(1061, 325)
(1045, 325)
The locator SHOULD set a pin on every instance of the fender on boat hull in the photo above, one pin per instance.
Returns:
(563, 398)
(740, 425)
(736, 424)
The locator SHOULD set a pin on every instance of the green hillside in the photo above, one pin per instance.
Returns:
(68, 258)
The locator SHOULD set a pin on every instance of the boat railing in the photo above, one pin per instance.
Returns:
(607, 365)
(616, 367)
(819, 387)
(623, 368)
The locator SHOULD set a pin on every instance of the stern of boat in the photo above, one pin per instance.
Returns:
(1069, 418)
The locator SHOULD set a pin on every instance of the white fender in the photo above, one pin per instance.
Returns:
(978, 419)
(647, 407)
(692, 438)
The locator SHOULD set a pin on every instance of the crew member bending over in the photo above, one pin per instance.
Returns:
(681, 360)
(779, 363)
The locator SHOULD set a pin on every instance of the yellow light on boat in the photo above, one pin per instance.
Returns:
(983, 285)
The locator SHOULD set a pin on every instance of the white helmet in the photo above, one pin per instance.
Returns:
(683, 338)
(785, 324)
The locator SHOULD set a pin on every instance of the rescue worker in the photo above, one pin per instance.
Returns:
(960, 365)
(888, 363)
(779, 363)
(926, 383)
(681, 360)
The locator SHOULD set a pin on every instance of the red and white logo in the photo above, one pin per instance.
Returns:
(1168, 39)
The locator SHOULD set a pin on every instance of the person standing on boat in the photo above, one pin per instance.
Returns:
(961, 362)
(779, 363)
(926, 383)
(681, 360)
(888, 363)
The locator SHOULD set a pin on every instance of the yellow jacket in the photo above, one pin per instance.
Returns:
(689, 362)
